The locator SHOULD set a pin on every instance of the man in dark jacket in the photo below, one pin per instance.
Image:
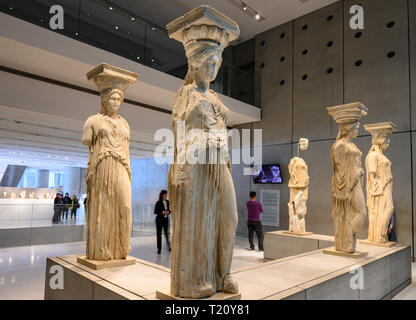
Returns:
(74, 206)
(56, 210)
(66, 205)
(162, 213)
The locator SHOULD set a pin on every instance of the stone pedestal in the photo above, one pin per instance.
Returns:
(99, 265)
(378, 244)
(307, 276)
(355, 255)
(166, 295)
(281, 244)
(304, 234)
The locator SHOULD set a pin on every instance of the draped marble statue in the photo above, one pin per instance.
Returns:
(298, 173)
(379, 182)
(203, 202)
(298, 184)
(108, 176)
(348, 203)
(297, 213)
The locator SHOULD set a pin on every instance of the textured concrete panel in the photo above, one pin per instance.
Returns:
(377, 280)
(380, 82)
(318, 71)
(274, 83)
(400, 268)
(412, 35)
(337, 288)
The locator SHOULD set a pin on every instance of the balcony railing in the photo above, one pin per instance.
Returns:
(111, 26)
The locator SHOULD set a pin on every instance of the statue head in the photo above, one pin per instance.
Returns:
(204, 32)
(380, 133)
(348, 130)
(204, 62)
(111, 100)
(348, 117)
(303, 144)
(112, 82)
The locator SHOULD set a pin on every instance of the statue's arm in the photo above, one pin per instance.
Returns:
(88, 132)
(375, 182)
(341, 173)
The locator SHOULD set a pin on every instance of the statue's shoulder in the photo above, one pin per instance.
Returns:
(186, 90)
(93, 119)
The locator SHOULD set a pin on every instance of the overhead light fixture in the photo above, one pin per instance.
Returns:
(116, 27)
(110, 8)
(249, 10)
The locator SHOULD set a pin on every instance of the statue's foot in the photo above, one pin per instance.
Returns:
(230, 285)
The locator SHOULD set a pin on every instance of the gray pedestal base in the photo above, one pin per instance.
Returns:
(310, 276)
(280, 244)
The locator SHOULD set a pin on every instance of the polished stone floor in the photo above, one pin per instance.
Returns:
(22, 269)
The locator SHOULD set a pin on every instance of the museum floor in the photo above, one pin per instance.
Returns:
(22, 269)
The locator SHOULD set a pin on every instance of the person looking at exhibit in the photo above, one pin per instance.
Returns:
(74, 206)
(66, 205)
(254, 211)
(162, 213)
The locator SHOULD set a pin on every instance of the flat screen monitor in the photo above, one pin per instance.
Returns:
(269, 173)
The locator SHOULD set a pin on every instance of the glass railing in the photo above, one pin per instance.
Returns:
(26, 223)
(118, 27)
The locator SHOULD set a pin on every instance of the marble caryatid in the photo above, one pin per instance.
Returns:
(348, 203)
(298, 172)
(379, 182)
(298, 185)
(297, 213)
(203, 201)
(108, 176)
(22, 194)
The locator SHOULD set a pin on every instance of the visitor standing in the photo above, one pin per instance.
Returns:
(254, 210)
(162, 213)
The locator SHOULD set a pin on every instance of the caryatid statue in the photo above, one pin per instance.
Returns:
(379, 182)
(298, 172)
(108, 177)
(348, 203)
(298, 184)
(203, 202)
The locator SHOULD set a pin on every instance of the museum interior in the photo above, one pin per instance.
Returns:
(216, 149)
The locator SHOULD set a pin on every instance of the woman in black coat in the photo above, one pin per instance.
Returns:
(162, 213)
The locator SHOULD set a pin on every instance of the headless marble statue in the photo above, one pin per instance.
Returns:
(348, 204)
(108, 177)
(298, 184)
(202, 196)
(379, 182)
(297, 213)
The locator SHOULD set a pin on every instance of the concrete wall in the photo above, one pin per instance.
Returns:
(308, 64)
